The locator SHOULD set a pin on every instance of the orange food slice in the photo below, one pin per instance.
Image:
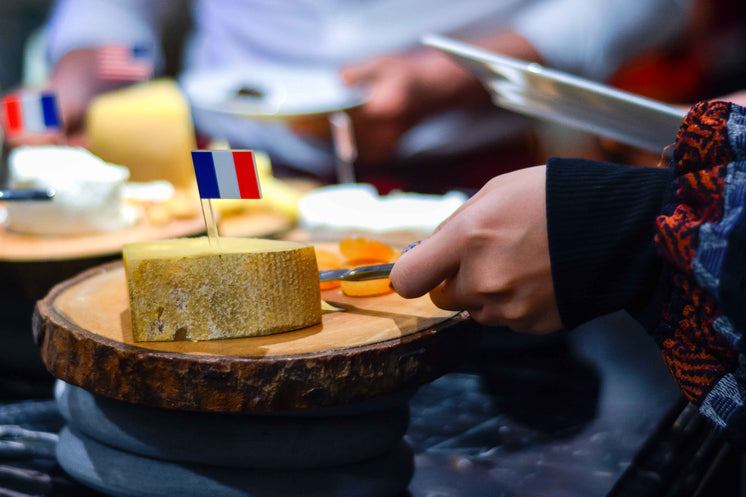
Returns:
(362, 248)
(361, 251)
(327, 260)
(328, 285)
(366, 288)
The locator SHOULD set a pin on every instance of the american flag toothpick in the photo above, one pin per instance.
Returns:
(125, 62)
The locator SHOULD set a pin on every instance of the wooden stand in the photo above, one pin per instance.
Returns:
(30, 266)
(321, 391)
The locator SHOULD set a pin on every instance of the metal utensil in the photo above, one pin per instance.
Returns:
(532, 89)
(362, 273)
(25, 195)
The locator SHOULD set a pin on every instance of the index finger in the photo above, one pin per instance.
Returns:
(421, 269)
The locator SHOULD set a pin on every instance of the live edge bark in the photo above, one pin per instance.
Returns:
(235, 384)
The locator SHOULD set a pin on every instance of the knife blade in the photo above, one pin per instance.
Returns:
(362, 273)
(25, 195)
(556, 96)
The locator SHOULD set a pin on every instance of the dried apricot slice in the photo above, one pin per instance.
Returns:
(327, 260)
(366, 288)
(362, 248)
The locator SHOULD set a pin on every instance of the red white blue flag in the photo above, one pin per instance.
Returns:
(125, 63)
(31, 113)
(226, 174)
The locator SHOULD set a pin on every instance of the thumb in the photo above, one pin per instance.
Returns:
(424, 267)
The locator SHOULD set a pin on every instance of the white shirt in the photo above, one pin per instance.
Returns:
(590, 38)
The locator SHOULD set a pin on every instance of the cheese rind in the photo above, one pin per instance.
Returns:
(187, 289)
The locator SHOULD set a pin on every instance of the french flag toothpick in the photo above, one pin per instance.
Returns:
(29, 112)
(124, 63)
(226, 174)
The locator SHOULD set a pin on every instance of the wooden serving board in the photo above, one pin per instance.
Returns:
(16, 247)
(31, 265)
(375, 346)
(254, 224)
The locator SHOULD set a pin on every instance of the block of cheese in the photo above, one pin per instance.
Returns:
(88, 192)
(147, 128)
(187, 289)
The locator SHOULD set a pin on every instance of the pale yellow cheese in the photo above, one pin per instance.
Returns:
(188, 289)
(147, 128)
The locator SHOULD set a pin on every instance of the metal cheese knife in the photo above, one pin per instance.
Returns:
(25, 195)
(362, 273)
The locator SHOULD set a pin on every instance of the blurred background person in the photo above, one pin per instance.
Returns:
(423, 109)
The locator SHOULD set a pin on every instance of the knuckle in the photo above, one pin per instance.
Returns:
(516, 311)
(490, 284)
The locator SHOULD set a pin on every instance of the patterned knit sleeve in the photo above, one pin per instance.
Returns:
(702, 235)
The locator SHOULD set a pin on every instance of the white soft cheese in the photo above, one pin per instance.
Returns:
(88, 192)
(359, 207)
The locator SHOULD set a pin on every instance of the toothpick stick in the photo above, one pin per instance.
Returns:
(212, 227)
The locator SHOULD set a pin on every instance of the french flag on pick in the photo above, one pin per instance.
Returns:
(31, 113)
(226, 174)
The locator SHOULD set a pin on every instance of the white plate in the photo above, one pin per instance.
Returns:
(566, 99)
(359, 207)
(277, 92)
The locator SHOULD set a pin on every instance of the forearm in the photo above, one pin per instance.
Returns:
(601, 226)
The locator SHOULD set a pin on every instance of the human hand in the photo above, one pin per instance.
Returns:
(75, 82)
(490, 258)
(404, 89)
(75, 138)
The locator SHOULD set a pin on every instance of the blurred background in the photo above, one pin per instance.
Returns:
(496, 405)
(706, 60)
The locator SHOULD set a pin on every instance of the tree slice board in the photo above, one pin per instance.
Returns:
(375, 346)
(15, 247)
(31, 265)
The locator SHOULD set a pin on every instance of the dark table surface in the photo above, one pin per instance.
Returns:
(592, 412)
(563, 415)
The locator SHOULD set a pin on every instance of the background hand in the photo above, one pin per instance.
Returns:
(491, 257)
(75, 81)
(404, 89)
